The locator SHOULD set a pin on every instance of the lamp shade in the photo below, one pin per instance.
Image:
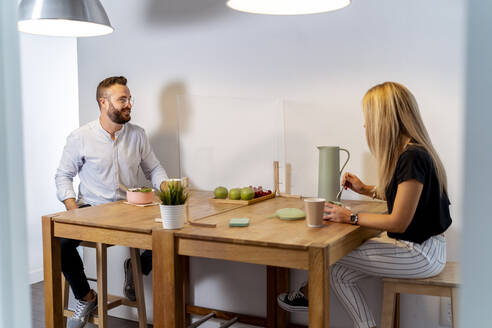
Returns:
(287, 7)
(76, 18)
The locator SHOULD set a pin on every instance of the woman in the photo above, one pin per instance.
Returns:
(412, 180)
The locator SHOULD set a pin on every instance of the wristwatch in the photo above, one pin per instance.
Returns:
(354, 218)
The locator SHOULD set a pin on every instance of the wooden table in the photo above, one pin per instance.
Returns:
(114, 224)
(267, 241)
(271, 242)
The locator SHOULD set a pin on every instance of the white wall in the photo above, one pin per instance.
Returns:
(315, 65)
(50, 113)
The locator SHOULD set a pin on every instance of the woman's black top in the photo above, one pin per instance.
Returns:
(432, 214)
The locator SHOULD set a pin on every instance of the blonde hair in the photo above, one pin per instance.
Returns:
(391, 116)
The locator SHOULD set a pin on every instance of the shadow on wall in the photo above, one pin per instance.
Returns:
(184, 12)
(165, 140)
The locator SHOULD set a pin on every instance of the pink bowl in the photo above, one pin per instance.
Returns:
(138, 197)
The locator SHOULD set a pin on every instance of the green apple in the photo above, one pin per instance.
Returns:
(235, 194)
(247, 193)
(220, 192)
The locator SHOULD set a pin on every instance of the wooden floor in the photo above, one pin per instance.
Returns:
(37, 297)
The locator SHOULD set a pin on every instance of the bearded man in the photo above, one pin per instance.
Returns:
(105, 153)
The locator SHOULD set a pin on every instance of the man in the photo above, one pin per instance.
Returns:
(106, 153)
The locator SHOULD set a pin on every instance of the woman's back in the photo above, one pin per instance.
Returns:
(432, 214)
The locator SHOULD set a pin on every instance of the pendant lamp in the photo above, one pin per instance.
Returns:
(75, 18)
(287, 7)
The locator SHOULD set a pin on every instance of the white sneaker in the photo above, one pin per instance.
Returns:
(83, 310)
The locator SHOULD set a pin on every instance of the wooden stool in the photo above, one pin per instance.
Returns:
(445, 284)
(107, 302)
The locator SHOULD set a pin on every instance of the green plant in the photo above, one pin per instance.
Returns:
(173, 194)
(142, 189)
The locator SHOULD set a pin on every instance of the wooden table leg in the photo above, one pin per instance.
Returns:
(271, 297)
(185, 273)
(52, 276)
(169, 309)
(277, 283)
(283, 286)
(319, 287)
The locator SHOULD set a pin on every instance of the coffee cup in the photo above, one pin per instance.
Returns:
(314, 211)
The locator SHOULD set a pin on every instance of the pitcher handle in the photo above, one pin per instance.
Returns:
(348, 157)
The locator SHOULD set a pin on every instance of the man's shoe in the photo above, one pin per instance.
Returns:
(129, 286)
(294, 301)
(82, 312)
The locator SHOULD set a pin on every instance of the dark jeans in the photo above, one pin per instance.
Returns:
(146, 260)
(73, 267)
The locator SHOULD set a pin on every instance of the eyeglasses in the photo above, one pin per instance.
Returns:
(123, 101)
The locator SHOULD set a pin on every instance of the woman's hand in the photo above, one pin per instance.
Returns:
(351, 181)
(336, 213)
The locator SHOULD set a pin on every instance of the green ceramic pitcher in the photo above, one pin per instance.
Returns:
(329, 171)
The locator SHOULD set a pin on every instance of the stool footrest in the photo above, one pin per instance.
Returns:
(228, 323)
(113, 301)
(127, 302)
(202, 320)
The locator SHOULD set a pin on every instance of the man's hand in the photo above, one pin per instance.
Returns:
(70, 204)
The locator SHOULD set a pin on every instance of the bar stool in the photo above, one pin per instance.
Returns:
(105, 301)
(445, 284)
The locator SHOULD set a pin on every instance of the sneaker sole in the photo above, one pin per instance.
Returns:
(290, 308)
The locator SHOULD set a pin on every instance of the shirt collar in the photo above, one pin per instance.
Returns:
(120, 131)
(97, 125)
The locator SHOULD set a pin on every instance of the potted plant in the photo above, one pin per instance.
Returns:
(143, 195)
(173, 208)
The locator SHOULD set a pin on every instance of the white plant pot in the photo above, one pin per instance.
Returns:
(173, 216)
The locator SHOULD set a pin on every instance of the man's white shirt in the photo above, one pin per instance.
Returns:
(104, 164)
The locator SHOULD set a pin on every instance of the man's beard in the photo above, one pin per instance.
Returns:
(117, 115)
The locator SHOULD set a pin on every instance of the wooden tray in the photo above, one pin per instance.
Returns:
(244, 202)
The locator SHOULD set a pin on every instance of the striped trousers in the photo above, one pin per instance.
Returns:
(383, 257)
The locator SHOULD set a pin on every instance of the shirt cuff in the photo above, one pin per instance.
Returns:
(65, 194)
(156, 181)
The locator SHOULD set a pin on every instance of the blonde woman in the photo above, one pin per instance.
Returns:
(412, 180)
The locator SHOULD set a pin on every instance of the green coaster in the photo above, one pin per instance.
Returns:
(239, 222)
(290, 214)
